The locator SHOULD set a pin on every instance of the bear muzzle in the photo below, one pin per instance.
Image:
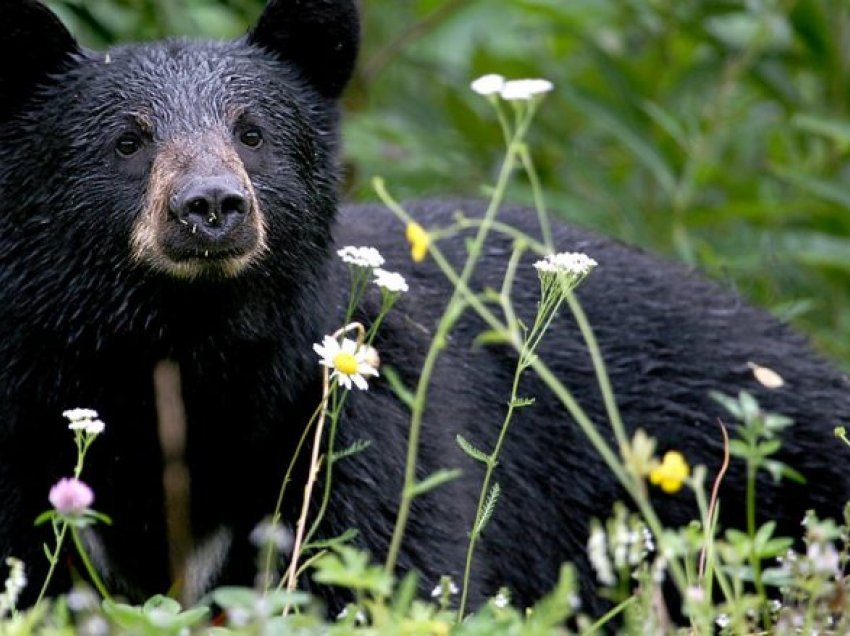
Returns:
(212, 217)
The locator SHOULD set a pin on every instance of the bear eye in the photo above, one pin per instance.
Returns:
(251, 137)
(128, 144)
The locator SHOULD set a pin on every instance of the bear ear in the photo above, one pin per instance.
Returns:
(321, 37)
(33, 44)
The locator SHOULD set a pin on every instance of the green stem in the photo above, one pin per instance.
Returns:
(445, 325)
(755, 561)
(560, 391)
(601, 372)
(93, 575)
(54, 559)
(609, 615)
(485, 487)
(537, 194)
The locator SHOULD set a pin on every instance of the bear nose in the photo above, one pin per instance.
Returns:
(213, 206)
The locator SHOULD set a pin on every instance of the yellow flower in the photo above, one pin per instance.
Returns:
(419, 240)
(671, 473)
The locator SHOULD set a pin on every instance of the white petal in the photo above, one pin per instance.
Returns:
(360, 382)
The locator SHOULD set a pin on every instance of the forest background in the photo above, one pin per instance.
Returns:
(714, 132)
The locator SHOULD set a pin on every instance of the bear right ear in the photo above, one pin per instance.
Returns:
(33, 44)
(320, 37)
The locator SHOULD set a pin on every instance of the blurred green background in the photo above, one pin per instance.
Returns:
(712, 131)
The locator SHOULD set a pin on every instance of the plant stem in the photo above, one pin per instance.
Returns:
(92, 572)
(485, 487)
(54, 558)
(445, 325)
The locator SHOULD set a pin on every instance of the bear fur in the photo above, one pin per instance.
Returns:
(103, 156)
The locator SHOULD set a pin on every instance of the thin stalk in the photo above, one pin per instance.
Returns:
(537, 195)
(485, 488)
(93, 575)
(492, 459)
(438, 342)
(560, 391)
(286, 479)
(601, 372)
(609, 615)
(755, 561)
(54, 559)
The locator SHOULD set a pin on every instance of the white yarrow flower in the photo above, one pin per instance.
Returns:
(575, 263)
(75, 415)
(16, 581)
(525, 89)
(501, 600)
(597, 552)
(488, 84)
(361, 256)
(391, 281)
(350, 362)
(85, 420)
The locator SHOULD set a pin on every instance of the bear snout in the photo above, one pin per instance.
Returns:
(212, 209)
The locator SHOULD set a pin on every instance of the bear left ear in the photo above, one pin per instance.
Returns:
(321, 37)
(33, 44)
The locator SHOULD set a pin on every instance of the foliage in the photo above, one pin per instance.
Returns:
(715, 132)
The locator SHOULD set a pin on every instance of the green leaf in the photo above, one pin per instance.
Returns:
(470, 450)
(402, 392)
(405, 594)
(435, 480)
(349, 568)
(333, 542)
(749, 406)
(162, 604)
(838, 130)
(729, 403)
(44, 517)
(522, 402)
(357, 447)
(487, 510)
(830, 190)
(490, 337)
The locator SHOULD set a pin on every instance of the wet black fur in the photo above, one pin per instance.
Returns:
(81, 324)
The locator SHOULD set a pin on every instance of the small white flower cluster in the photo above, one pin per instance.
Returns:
(570, 263)
(510, 90)
(597, 552)
(502, 599)
(367, 257)
(391, 281)
(15, 583)
(359, 617)
(269, 534)
(561, 273)
(445, 586)
(85, 420)
(370, 258)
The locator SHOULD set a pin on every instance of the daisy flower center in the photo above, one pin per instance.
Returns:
(345, 363)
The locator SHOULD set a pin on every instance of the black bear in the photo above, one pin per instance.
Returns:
(178, 201)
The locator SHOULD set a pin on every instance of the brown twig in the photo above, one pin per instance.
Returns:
(314, 465)
(712, 506)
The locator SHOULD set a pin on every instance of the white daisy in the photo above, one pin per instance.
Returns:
(525, 89)
(391, 281)
(349, 362)
(488, 84)
(361, 256)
